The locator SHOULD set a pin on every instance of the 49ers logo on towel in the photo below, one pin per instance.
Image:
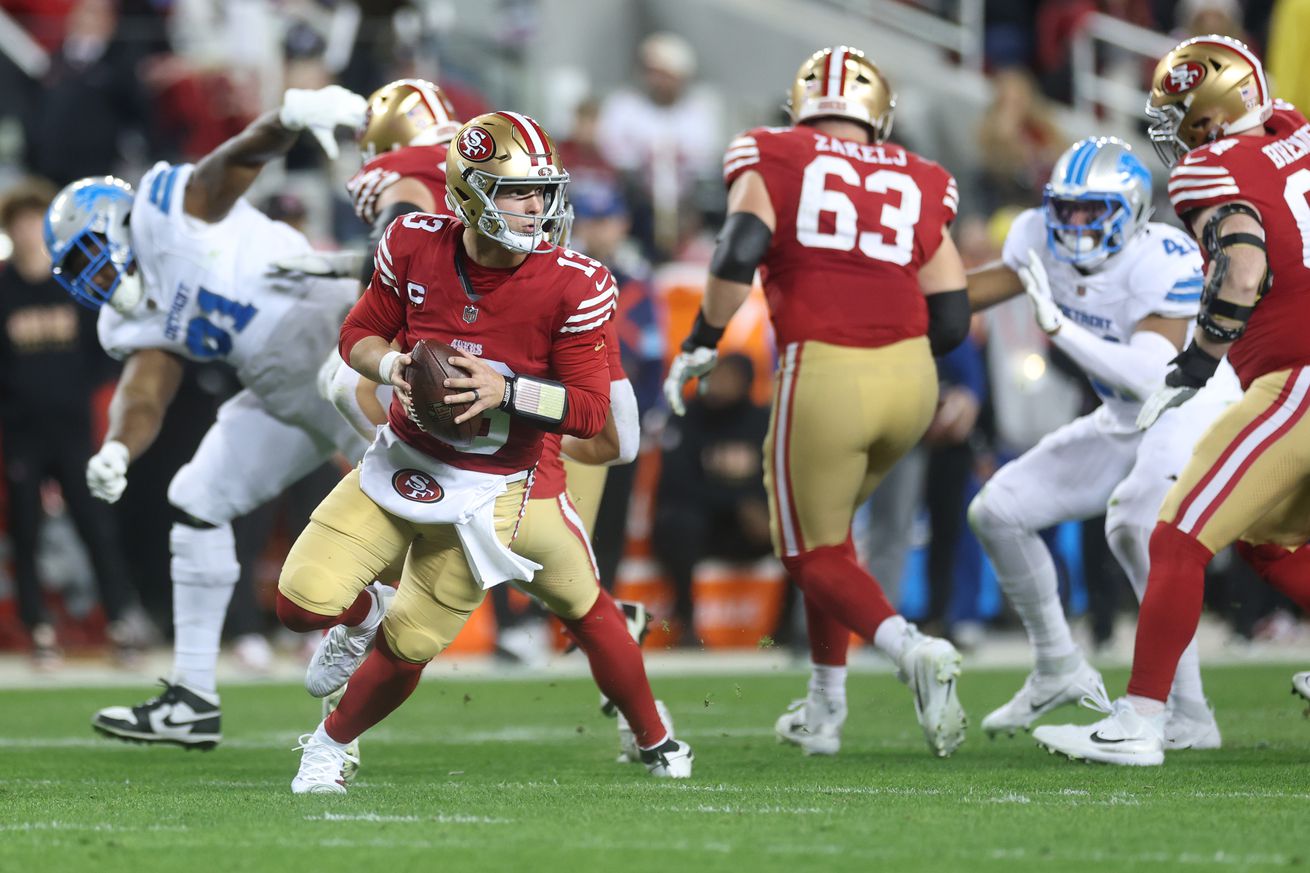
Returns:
(417, 486)
(476, 145)
(1183, 77)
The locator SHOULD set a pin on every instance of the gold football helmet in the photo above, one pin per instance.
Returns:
(1207, 87)
(842, 83)
(500, 150)
(406, 112)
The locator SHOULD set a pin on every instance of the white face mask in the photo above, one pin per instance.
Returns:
(128, 293)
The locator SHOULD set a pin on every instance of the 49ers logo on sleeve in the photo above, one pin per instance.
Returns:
(1183, 77)
(417, 486)
(476, 145)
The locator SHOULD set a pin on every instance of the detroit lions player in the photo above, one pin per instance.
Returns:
(1117, 293)
(184, 264)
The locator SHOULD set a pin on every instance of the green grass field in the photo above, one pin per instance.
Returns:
(519, 775)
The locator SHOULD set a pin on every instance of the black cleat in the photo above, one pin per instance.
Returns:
(181, 716)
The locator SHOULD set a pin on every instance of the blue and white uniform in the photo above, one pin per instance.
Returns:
(210, 296)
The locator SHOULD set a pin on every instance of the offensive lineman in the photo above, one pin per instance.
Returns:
(184, 264)
(1239, 182)
(1115, 292)
(864, 285)
(491, 283)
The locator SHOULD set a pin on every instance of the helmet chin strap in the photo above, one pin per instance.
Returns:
(128, 293)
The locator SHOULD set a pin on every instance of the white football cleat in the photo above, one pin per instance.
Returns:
(1123, 737)
(322, 768)
(1040, 694)
(1301, 685)
(1191, 726)
(931, 666)
(330, 703)
(814, 725)
(629, 752)
(342, 649)
(670, 761)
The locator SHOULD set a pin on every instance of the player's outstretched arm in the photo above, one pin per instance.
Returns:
(149, 382)
(991, 284)
(222, 176)
(742, 245)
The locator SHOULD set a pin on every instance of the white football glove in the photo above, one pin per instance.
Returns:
(106, 472)
(344, 264)
(695, 364)
(321, 111)
(1038, 287)
(1161, 401)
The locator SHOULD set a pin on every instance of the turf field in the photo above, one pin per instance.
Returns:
(519, 776)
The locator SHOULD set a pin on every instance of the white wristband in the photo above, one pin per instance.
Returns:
(387, 365)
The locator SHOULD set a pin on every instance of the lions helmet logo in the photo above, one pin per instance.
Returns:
(417, 486)
(476, 145)
(1183, 78)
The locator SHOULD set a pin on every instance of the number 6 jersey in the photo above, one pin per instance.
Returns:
(855, 222)
(207, 293)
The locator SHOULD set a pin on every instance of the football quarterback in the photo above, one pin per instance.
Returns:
(529, 319)
(184, 263)
(1239, 182)
(864, 285)
(1115, 292)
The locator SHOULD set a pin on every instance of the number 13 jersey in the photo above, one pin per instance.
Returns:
(855, 222)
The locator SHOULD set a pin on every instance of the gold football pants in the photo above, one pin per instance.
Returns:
(553, 535)
(842, 417)
(350, 540)
(1249, 476)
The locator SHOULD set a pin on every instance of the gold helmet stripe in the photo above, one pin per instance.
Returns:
(1232, 45)
(835, 72)
(533, 135)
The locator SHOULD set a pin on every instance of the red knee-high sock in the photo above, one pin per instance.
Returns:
(829, 638)
(1289, 572)
(379, 686)
(1171, 609)
(833, 580)
(617, 667)
(295, 617)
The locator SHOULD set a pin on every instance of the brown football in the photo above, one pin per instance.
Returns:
(425, 376)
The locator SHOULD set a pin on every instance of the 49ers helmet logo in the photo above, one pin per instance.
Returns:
(417, 486)
(1183, 78)
(476, 145)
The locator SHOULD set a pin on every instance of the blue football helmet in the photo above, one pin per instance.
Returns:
(1098, 199)
(86, 231)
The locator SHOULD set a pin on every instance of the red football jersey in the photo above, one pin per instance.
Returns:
(545, 320)
(550, 481)
(425, 163)
(855, 222)
(1272, 173)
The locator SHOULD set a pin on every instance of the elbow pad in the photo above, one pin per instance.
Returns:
(623, 403)
(741, 246)
(384, 219)
(1212, 305)
(948, 320)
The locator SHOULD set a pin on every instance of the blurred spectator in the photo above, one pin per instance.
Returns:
(50, 364)
(1202, 17)
(92, 99)
(711, 500)
(666, 138)
(580, 153)
(600, 229)
(1019, 141)
(1289, 62)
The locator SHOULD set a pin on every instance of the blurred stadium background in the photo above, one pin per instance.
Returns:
(643, 94)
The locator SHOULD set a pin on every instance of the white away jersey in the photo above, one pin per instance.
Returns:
(206, 289)
(1158, 273)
